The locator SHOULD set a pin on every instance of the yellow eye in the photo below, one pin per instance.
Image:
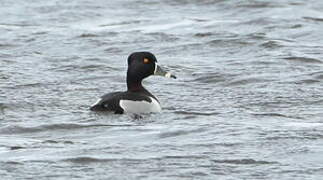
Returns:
(146, 61)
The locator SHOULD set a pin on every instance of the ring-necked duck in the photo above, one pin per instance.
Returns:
(136, 99)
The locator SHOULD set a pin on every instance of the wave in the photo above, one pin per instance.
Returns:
(14, 129)
(276, 115)
(85, 160)
(197, 113)
(271, 44)
(243, 161)
(313, 19)
(303, 59)
(176, 133)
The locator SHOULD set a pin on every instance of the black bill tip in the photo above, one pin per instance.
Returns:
(173, 76)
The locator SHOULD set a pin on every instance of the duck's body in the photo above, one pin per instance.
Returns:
(128, 101)
(136, 99)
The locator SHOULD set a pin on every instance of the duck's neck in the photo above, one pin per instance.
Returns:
(134, 84)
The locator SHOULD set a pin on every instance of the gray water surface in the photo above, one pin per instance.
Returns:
(247, 103)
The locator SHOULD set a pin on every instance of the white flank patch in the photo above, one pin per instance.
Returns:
(140, 106)
(96, 102)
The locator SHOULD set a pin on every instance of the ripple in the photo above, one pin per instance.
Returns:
(197, 113)
(257, 36)
(276, 115)
(271, 44)
(89, 159)
(307, 81)
(14, 129)
(21, 25)
(163, 37)
(29, 85)
(257, 4)
(16, 147)
(314, 19)
(258, 21)
(245, 81)
(317, 75)
(86, 160)
(184, 157)
(184, 2)
(121, 23)
(210, 78)
(57, 142)
(90, 67)
(296, 26)
(13, 163)
(243, 162)
(88, 35)
(3, 106)
(6, 45)
(228, 42)
(205, 34)
(180, 132)
(303, 59)
(113, 50)
(300, 132)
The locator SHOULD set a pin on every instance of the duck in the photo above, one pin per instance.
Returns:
(137, 99)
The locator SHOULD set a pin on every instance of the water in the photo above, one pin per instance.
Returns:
(247, 103)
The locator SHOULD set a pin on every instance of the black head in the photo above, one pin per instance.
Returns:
(141, 65)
